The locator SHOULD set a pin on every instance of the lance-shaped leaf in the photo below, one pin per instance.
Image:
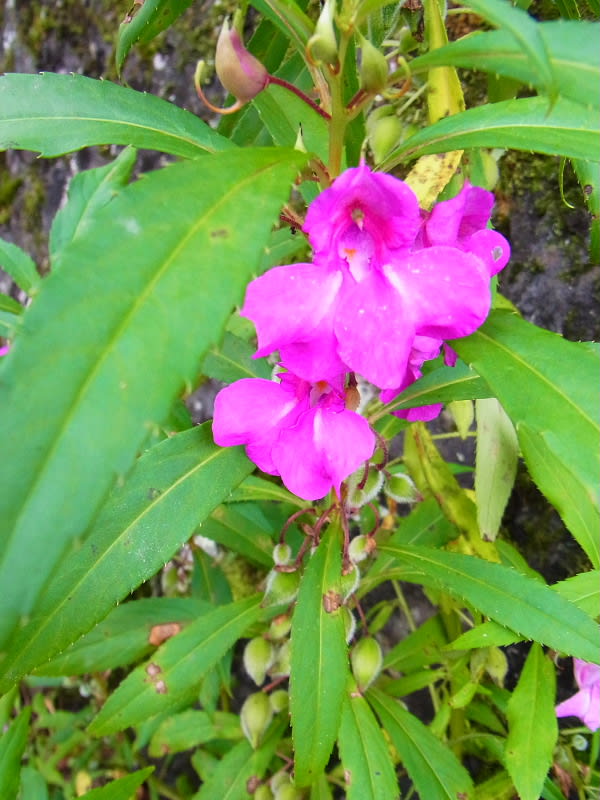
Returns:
(566, 128)
(113, 336)
(533, 729)
(121, 789)
(549, 388)
(433, 768)
(19, 265)
(319, 660)
(172, 488)
(177, 668)
(12, 745)
(572, 49)
(55, 114)
(516, 601)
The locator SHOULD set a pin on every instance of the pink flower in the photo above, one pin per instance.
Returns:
(586, 703)
(4, 350)
(424, 349)
(302, 432)
(238, 70)
(375, 282)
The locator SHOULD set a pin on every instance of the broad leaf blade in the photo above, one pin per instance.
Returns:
(549, 388)
(533, 729)
(516, 601)
(124, 339)
(55, 114)
(567, 129)
(433, 768)
(368, 767)
(177, 667)
(171, 490)
(150, 19)
(319, 661)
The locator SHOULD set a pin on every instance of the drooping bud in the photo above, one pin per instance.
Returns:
(349, 582)
(282, 554)
(366, 658)
(282, 587)
(360, 548)
(258, 657)
(255, 716)
(361, 491)
(322, 45)
(238, 70)
(401, 488)
(280, 627)
(373, 69)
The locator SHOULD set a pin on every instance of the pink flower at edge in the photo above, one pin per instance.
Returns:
(300, 431)
(4, 350)
(374, 284)
(585, 704)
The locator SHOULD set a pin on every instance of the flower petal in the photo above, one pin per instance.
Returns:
(287, 303)
(299, 462)
(316, 359)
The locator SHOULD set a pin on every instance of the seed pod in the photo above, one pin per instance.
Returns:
(282, 554)
(349, 583)
(373, 69)
(366, 659)
(280, 627)
(401, 488)
(279, 700)
(258, 657)
(263, 792)
(322, 45)
(281, 665)
(360, 548)
(255, 716)
(358, 497)
(282, 587)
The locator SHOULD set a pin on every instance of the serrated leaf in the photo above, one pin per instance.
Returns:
(12, 745)
(121, 789)
(20, 266)
(150, 18)
(123, 636)
(567, 129)
(532, 725)
(433, 768)
(368, 769)
(172, 488)
(516, 601)
(583, 590)
(496, 459)
(319, 660)
(571, 47)
(88, 192)
(56, 114)
(126, 319)
(549, 388)
(176, 668)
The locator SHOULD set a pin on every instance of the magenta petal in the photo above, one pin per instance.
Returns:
(447, 289)
(315, 360)
(579, 706)
(299, 462)
(287, 303)
(586, 674)
(374, 331)
(491, 247)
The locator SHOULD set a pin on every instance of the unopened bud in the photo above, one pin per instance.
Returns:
(496, 665)
(373, 69)
(385, 134)
(263, 792)
(258, 657)
(360, 548)
(288, 791)
(238, 70)
(360, 491)
(255, 716)
(282, 554)
(366, 658)
(349, 582)
(322, 45)
(282, 587)
(401, 488)
(280, 627)
(281, 664)
(279, 701)
(281, 778)
(349, 623)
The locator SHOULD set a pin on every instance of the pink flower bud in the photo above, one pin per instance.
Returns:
(239, 71)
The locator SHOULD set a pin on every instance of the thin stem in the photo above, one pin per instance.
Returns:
(339, 117)
(299, 93)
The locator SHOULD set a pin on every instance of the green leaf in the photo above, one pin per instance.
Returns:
(190, 728)
(583, 590)
(572, 49)
(122, 788)
(533, 729)
(10, 306)
(588, 176)
(150, 18)
(433, 768)
(88, 192)
(123, 636)
(177, 667)
(368, 769)
(20, 266)
(549, 388)
(172, 488)
(12, 745)
(289, 18)
(319, 660)
(232, 361)
(420, 648)
(126, 320)
(55, 114)
(255, 488)
(516, 601)
(242, 533)
(567, 129)
(495, 465)
(229, 779)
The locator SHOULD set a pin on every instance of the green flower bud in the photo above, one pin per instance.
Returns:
(349, 623)
(282, 587)
(360, 548)
(281, 778)
(282, 554)
(373, 70)
(281, 665)
(288, 791)
(280, 627)
(238, 70)
(349, 582)
(366, 659)
(401, 488)
(496, 665)
(263, 792)
(258, 657)
(322, 45)
(255, 716)
(358, 497)
(279, 701)
(385, 134)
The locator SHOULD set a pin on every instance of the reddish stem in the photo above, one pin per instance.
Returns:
(299, 93)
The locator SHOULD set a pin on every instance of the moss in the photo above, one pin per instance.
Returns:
(8, 188)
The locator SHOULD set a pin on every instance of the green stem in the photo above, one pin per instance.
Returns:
(339, 118)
